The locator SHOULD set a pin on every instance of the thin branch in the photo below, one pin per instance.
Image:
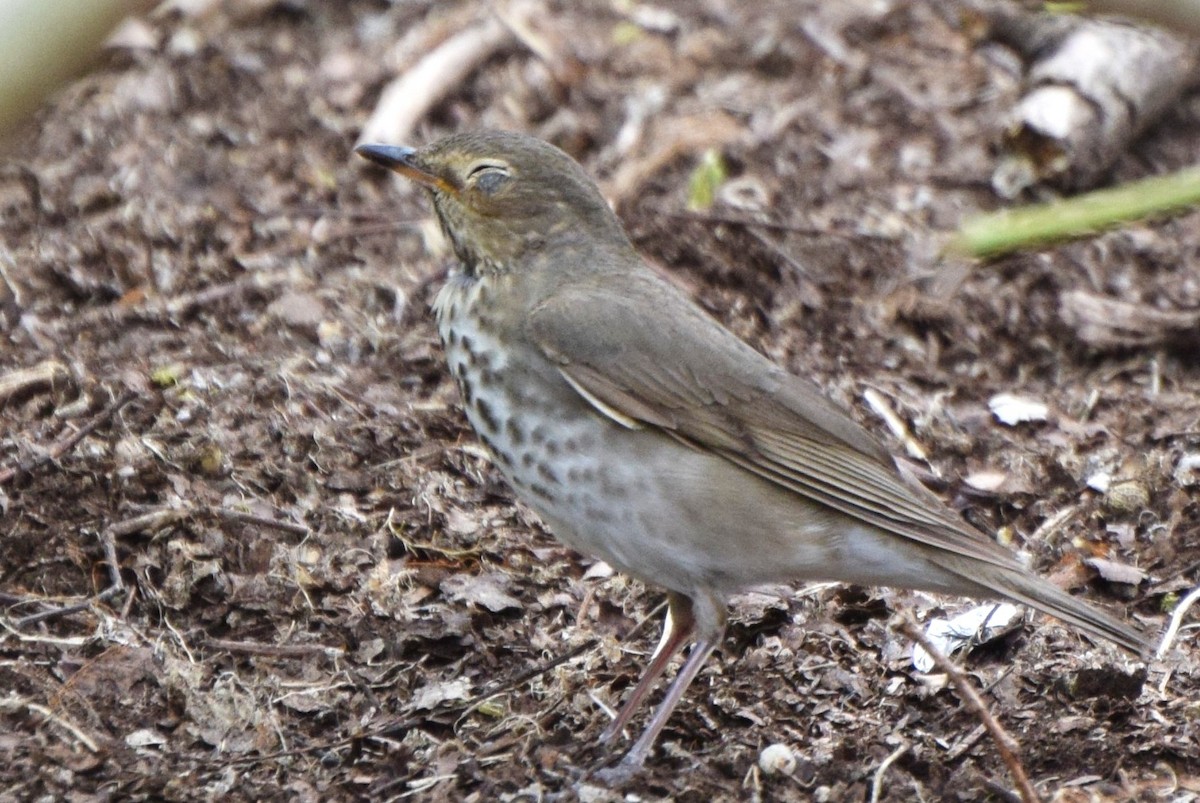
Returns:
(443, 70)
(13, 702)
(877, 781)
(68, 443)
(1005, 744)
(274, 650)
(154, 520)
(158, 310)
(1176, 620)
(229, 514)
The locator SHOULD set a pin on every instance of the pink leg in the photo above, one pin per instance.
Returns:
(645, 743)
(704, 615)
(676, 630)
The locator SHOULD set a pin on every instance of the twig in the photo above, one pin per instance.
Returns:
(13, 702)
(274, 650)
(525, 677)
(65, 445)
(877, 781)
(154, 520)
(241, 517)
(67, 610)
(1174, 15)
(164, 309)
(26, 380)
(772, 225)
(966, 743)
(880, 406)
(1052, 524)
(1005, 744)
(410, 96)
(1176, 620)
(409, 722)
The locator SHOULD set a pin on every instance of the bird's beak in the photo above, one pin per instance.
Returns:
(402, 161)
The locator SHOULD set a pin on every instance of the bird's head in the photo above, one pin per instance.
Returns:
(501, 196)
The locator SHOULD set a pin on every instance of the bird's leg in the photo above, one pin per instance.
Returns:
(708, 620)
(678, 627)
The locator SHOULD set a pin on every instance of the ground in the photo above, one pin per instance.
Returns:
(329, 593)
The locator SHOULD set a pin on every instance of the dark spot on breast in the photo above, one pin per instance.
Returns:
(468, 344)
(452, 337)
(528, 460)
(515, 433)
(539, 435)
(585, 475)
(467, 389)
(541, 491)
(598, 514)
(552, 449)
(487, 417)
(547, 473)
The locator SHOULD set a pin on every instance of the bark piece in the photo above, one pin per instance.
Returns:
(1092, 87)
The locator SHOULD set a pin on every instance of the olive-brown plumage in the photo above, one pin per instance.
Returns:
(645, 433)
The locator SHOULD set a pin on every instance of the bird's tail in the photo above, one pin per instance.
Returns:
(1022, 586)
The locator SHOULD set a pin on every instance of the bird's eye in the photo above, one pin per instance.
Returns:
(488, 177)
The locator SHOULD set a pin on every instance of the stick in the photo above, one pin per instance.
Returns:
(65, 445)
(163, 309)
(274, 650)
(1176, 620)
(410, 96)
(1005, 744)
(877, 781)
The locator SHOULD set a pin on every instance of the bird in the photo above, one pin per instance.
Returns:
(646, 434)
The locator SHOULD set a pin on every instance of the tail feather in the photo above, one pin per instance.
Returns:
(1022, 586)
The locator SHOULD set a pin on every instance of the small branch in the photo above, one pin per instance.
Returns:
(410, 96)
(877, 781)
(66, 444)
(406, 724)
(997, 233)
(159, 310)
(1005, 744)
(1176, 620)
(154, 520)
(241, 517)
(274, 650)
(67, 610)
(880, 406)
(28, 380)
(1175, 15)
(1105, 323)
(14, 702)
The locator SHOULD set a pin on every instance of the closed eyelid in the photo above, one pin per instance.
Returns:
(485, 166)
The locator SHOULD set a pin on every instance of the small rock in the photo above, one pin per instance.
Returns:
(1127, 496)
(777, 759)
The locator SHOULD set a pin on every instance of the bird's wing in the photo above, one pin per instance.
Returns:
(645, 356)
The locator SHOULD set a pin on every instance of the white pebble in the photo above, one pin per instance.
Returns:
(777, 759)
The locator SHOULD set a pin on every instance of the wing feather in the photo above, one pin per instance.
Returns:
(683, 373)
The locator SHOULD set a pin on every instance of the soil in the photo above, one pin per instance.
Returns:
(327, 593)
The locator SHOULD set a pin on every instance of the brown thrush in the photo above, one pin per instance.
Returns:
(645, 433)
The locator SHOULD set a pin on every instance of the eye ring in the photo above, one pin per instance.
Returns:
(483, 167)
(488, 177)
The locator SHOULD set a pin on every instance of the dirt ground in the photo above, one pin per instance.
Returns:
(328, 592)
